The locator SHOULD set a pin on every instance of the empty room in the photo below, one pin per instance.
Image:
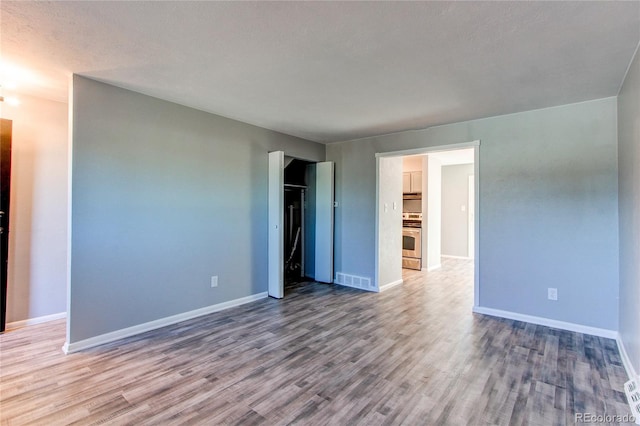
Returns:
(320, 213)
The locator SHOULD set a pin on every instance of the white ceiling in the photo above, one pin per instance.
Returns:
(330, 71)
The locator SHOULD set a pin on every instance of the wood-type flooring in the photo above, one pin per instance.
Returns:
(323, 355)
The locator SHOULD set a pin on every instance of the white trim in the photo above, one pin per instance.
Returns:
(376, 260)
(37, 320)
(562, 325)
(476, 226)
(390, 285)
(152, 325)
(471, 214)
(69, 203)
(626, 361)
(475, 144)
(433, 267)
(456, 257)
(429, 149)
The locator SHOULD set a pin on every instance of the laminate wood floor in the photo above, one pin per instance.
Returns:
(324, 355)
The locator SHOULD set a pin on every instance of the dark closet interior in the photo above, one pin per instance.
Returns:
(295, 196)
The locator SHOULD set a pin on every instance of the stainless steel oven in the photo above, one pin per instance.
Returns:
(411, 248)
(411, 242)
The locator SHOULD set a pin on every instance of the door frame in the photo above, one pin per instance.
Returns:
(5, 162)
(476, 173)
(275, 232)
(471, 214)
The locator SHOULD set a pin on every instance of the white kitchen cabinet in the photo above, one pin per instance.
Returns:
(411, 182)
(406, 182)
(416, 181)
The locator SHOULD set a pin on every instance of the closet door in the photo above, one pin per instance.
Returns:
(276, 220)
(324, 200)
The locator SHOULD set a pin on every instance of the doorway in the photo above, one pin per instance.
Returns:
(301, 215)
(5, 187)
(433, 158)
(296, 217)
(454, 168)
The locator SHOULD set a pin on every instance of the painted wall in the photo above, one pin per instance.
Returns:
(548, 203)
(412, 163)
(37, 281)
(164, 197)
(355, 193)
(629, 210)
(455, 193)
(390, 211)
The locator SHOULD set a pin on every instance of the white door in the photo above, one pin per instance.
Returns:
(276, 220)
(324, 222)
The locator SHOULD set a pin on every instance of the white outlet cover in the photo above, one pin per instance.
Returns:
(214, 281)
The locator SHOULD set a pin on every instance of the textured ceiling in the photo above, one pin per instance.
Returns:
(330, 71)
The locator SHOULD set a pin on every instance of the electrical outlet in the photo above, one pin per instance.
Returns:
(552, 293)
(214, 281)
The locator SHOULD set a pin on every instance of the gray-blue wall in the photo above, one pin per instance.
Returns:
(548, 204)
(164, 197)
(629, 208)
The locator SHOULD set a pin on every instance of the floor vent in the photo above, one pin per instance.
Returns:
(354, 281)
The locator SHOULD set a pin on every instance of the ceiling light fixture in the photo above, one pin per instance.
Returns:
(10, 100)
(13, 74)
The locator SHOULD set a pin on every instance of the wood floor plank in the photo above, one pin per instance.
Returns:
(324, 355)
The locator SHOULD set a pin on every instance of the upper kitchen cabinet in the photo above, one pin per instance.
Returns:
(411, 182)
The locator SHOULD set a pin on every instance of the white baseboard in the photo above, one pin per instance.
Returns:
(152, 325)
(455, 257)
(432, 268)
(626, 361)
(389, 285)
(38, 320)
(562, 325)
